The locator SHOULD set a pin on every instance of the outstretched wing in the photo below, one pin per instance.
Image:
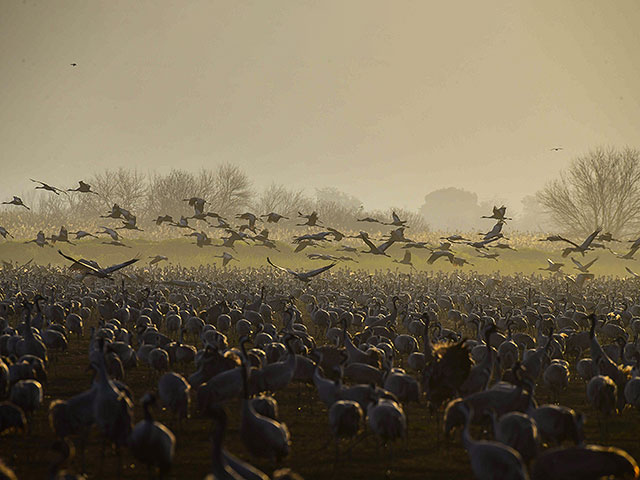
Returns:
(114, 268)
(281, 268)
(386, 245)
(578, 264)
(588, 265)
(318, 271)
(82, 263)
(632, 272)
(559, 238)
(590, 239)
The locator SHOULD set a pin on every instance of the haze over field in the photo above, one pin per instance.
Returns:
(387, 101)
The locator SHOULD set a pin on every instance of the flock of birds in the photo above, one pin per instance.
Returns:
(474, 351)
(487, 247)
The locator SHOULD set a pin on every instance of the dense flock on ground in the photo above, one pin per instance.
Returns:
(391, 360)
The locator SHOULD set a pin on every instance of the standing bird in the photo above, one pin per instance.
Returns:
(262, 436)
(151, 442)
(491, 458)
(16, 201)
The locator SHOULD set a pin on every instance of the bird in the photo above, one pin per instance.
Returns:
(627, 256)
(406, 260)
(489, 457)
(396, 220)
(634, 274)
(584, 461)
(556, 149)
(226, 258)
(303, 276)
(368, 219)
(437, 254)
(89, 269)
(40, 240)
(583, 247)
(157, 259)
(552, 266)
(262, 436)
(373, 249)
(16, 201)
(164, 219)
(4, 232)
(274, 217)
(82, 188)
(44, 186)
(73, 64)
(495, 232)
(498, 214)
(152, 442)
(312, 219)
(115, 236)
(583, 268)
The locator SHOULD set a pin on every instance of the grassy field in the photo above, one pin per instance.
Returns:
(528, 258)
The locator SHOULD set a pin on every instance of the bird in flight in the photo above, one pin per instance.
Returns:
(16, 201)
(552, 267)
(582, 248)
(82, 188)
(556, 149)
(73, 64)
(44, 186)
(583, 268)
(88, 268)
(157, 259)
(302, 276)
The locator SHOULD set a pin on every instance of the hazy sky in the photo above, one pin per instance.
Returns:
(386, 100)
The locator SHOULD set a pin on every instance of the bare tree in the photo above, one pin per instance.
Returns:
(126, 187)
(280, 199)
(599, 189)
(232, 189)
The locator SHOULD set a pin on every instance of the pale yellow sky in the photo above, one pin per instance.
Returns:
(385, 100)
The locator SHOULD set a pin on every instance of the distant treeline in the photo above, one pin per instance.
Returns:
(227, 189)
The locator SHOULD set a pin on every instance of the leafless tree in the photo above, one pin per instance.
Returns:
(126, 187)
(232, 190)
(280, 199)
(599, 189)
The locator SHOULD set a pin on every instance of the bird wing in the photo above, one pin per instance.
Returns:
(590, 239)
(318, 271)
(83, 263)
(578, 264)
(386, 245)
(632, 272)
(288, 270)
(368, 242)
(588, 265)
(395, 217)
(407, 256)
(114, 268)
(559, 238)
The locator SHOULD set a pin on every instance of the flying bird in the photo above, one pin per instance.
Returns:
(302, 276)
(583, 268)
(47, 187)
(157, 259)
(16, 201)
(4, 232)
(556, 149)
(82, 188)
(498, 214)
(635, 275)
(90, 268)
(583, 247)
(274, 217)
(552, 266)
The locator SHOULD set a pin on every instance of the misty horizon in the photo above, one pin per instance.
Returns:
(384, 103)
